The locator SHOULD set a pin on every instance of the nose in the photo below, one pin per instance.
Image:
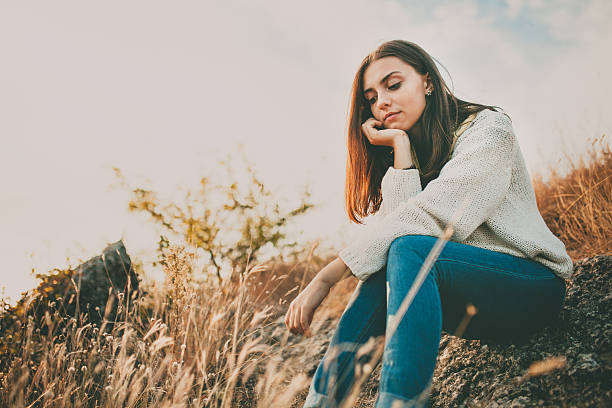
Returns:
(383, 100)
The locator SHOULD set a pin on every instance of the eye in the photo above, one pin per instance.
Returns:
(393, 87)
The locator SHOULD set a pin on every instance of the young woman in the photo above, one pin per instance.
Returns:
(421, 159)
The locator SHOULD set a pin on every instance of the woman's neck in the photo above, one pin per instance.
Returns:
(416, 130)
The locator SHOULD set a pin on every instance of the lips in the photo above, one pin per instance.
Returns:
(389, 114)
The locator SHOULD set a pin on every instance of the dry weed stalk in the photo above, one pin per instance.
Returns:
(546, 365)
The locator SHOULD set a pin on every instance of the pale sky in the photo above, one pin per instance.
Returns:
(163, 89)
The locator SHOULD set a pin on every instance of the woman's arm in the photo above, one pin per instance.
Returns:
(334, 272)
(302, 308)
(402, 157)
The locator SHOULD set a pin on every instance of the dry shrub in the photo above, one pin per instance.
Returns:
(577, 207)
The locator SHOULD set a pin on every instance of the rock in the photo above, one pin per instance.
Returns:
(94, 279)
(56, 295)
(113, 269)
(576, 348)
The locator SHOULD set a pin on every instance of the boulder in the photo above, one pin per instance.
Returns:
(56, 295)
(568, 363)
(110, 272)
(94, 280)
(574, 352)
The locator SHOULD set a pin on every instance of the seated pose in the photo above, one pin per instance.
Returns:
(423, 159)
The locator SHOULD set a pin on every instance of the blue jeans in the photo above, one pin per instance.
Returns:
(514, 298)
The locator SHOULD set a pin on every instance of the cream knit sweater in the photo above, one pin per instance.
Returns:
(487, 173)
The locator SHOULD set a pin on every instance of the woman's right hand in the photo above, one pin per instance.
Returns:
(302, 308)
(382, 137)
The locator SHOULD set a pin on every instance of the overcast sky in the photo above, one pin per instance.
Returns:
(163, 89)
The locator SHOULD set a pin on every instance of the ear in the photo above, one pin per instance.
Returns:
(428, 82)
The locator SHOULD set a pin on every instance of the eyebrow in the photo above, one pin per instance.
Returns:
(382, 80)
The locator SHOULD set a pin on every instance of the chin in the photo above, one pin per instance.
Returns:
(395, 126)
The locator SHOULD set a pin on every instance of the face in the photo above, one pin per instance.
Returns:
(395, 92)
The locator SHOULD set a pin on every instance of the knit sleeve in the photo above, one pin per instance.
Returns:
(397, 186)
(477, 176)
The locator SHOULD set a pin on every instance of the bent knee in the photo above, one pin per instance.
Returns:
(421, 244)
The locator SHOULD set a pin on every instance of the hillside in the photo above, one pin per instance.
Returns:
(85, 338)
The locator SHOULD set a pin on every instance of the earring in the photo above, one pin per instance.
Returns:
(428, 92)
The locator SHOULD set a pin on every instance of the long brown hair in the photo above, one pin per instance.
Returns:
(366, 163)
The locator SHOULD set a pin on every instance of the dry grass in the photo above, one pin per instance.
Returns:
(577, 207)
(185, 344)
(189, 343)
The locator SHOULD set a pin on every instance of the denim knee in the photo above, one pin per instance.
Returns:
(411, 245)
(421, 244)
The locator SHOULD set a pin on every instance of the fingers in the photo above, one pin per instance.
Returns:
(369, 129)
(371, 122)
(368, 126)
(305, 320)
(297, 321)
(290, 319)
